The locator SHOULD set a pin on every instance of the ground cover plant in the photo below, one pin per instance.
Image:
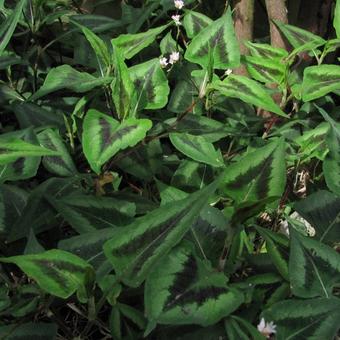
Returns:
(169, 169)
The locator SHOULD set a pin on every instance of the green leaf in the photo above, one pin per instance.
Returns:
(131, 44)
(183, 289)
(305, 319)
(151, 84)
(336, 19)
(322, 210)
(57, 272)
(13, 148)
(96, 23)
(168, 45)
(274, 250)
(66, 77)
(258, 175)
(182, 96)
(195, 22)
(89, 213)
(8, 26)
(60, 165)
(319, 81)
(249, 91)
(266, 51)
(264, 70)
(123, 90)
(31, 330)
(22, 167)
(104, 136)
(98, 45)
(219, 40)
(314, 267)
(30, 114)
(89, 246)
(331, 164)
(135, 249)
(212, 130)
(298, 37)
(38, 211)
(12, 202)
(197, 148)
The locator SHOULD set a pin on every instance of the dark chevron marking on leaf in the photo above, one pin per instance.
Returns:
(150, 91)
(246, 178)
(153, 234)
(239, 86)
(320, 264)
(19, 165)
(300, 37)
(264, 70)
(262, 183)
(120, 133)
(105, 132)
(220, 44)
(198, 296)
(52, 269)
(57, 161)
(198, 24)
(189, 143)
(157, 240)
(184, 279)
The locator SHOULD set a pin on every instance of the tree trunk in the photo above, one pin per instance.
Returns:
(244, 26)
(276, 10)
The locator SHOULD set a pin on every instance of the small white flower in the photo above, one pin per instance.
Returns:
(228, 72)
(176, 19)
(163, 62)
(173, 58)
(179, 4)
(266, 328)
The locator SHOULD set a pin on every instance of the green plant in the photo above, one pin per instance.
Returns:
(143, 192)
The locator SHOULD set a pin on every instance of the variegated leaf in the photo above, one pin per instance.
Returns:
(123, 91)
(136, 249)
(266, 51)
(66, 77)
(21, 167)
(258, 175)
(57, 272)
(249, 91)
(151, 84)
(12, 202)
(12, 148)
(305, 319)
(298, 37)
(183, 289)
(314, 268)
(104, 136)
(131, 44)
(216, 43)
(90, 213)
(62, 165)
(322, 210)
(197, 148)
(194, 22)
(264, 70)
(319, 81)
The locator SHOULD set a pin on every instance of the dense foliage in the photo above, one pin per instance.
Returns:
(149, 188)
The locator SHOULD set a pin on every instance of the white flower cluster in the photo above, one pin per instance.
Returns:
(179, 4)
(173, 58)
(266, 328)
(177, 19)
